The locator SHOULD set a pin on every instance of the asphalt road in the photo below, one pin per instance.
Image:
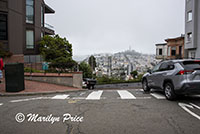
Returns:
(100, 112)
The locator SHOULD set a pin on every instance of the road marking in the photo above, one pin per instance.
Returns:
(195, 106)
(78, 98)
(60, 97)
(143, 98)
(82, 93)
(1, 104)
(72, 101)
(21, 100)
(124, 94)
(186, 106)
(158, 96)
(139, 90)
(95, 95)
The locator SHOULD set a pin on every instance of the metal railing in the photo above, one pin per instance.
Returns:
(48, 26)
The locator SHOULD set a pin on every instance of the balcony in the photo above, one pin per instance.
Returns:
(49, 29)
(161, 57)
(48, 9)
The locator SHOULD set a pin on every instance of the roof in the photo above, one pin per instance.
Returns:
(177, 38)
(161, 44)
(180, 60)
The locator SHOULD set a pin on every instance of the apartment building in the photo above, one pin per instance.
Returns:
(22, 24)
(175, 47)
(192, 28)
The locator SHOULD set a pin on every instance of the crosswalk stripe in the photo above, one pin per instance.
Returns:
(158, 96)
(61, 97)
(95, 95)
(124, 94)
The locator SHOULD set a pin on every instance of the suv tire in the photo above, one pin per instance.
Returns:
(145, 86)
(169, 91)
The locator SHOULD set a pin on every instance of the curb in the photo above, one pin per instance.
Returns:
(38, 93)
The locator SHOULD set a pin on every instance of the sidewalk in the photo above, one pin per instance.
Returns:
(35, 88)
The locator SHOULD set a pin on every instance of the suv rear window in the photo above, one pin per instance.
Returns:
(191, 65)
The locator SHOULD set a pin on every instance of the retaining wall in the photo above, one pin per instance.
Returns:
(69, 79)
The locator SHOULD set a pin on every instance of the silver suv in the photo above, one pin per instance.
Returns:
(174, 77)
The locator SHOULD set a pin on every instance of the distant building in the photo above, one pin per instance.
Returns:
(161, 51)
(22, 24)
(192, 28)
(175, 47)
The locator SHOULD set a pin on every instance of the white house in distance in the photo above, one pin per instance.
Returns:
(161, 51)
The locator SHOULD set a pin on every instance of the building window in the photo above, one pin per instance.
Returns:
(29, 39)
(3, 27)
(192, 54)
(160, 51)
(189, 16)
(42, 34)
(189, 36)
(29, 11)
(42, 16)
(173, 51)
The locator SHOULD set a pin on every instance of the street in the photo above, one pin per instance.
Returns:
(125, 111)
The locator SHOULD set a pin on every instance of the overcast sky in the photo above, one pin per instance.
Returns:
(109, 26)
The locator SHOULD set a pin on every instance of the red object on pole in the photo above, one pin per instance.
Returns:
(1, 64)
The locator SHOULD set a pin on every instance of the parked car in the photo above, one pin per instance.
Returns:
(174, 77)
(89, 83)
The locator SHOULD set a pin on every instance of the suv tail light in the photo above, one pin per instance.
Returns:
(182, 72)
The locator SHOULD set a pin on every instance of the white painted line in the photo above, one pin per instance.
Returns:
(186, 106)
(158, 96)
(143, 98)
(82, 93)
(21, 100)
(95, 95)
(124, 94)
(195, 106)
(1, 104)
(139, 90)
(78, 98)
(60, 97)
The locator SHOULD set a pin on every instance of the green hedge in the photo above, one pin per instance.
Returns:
(28, 70)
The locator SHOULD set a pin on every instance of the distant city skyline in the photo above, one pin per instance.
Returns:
(110, 26)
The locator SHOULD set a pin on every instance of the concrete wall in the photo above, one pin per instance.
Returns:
(72, 79)
(198, 28)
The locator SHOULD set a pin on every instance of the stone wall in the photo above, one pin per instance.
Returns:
(70, 79)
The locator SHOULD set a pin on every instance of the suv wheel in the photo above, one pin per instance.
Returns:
(145, 86)
(169, 91)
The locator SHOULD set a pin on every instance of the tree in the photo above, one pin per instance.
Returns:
(57, 51)
(86, 69)
(134, 73)
(92, 62)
